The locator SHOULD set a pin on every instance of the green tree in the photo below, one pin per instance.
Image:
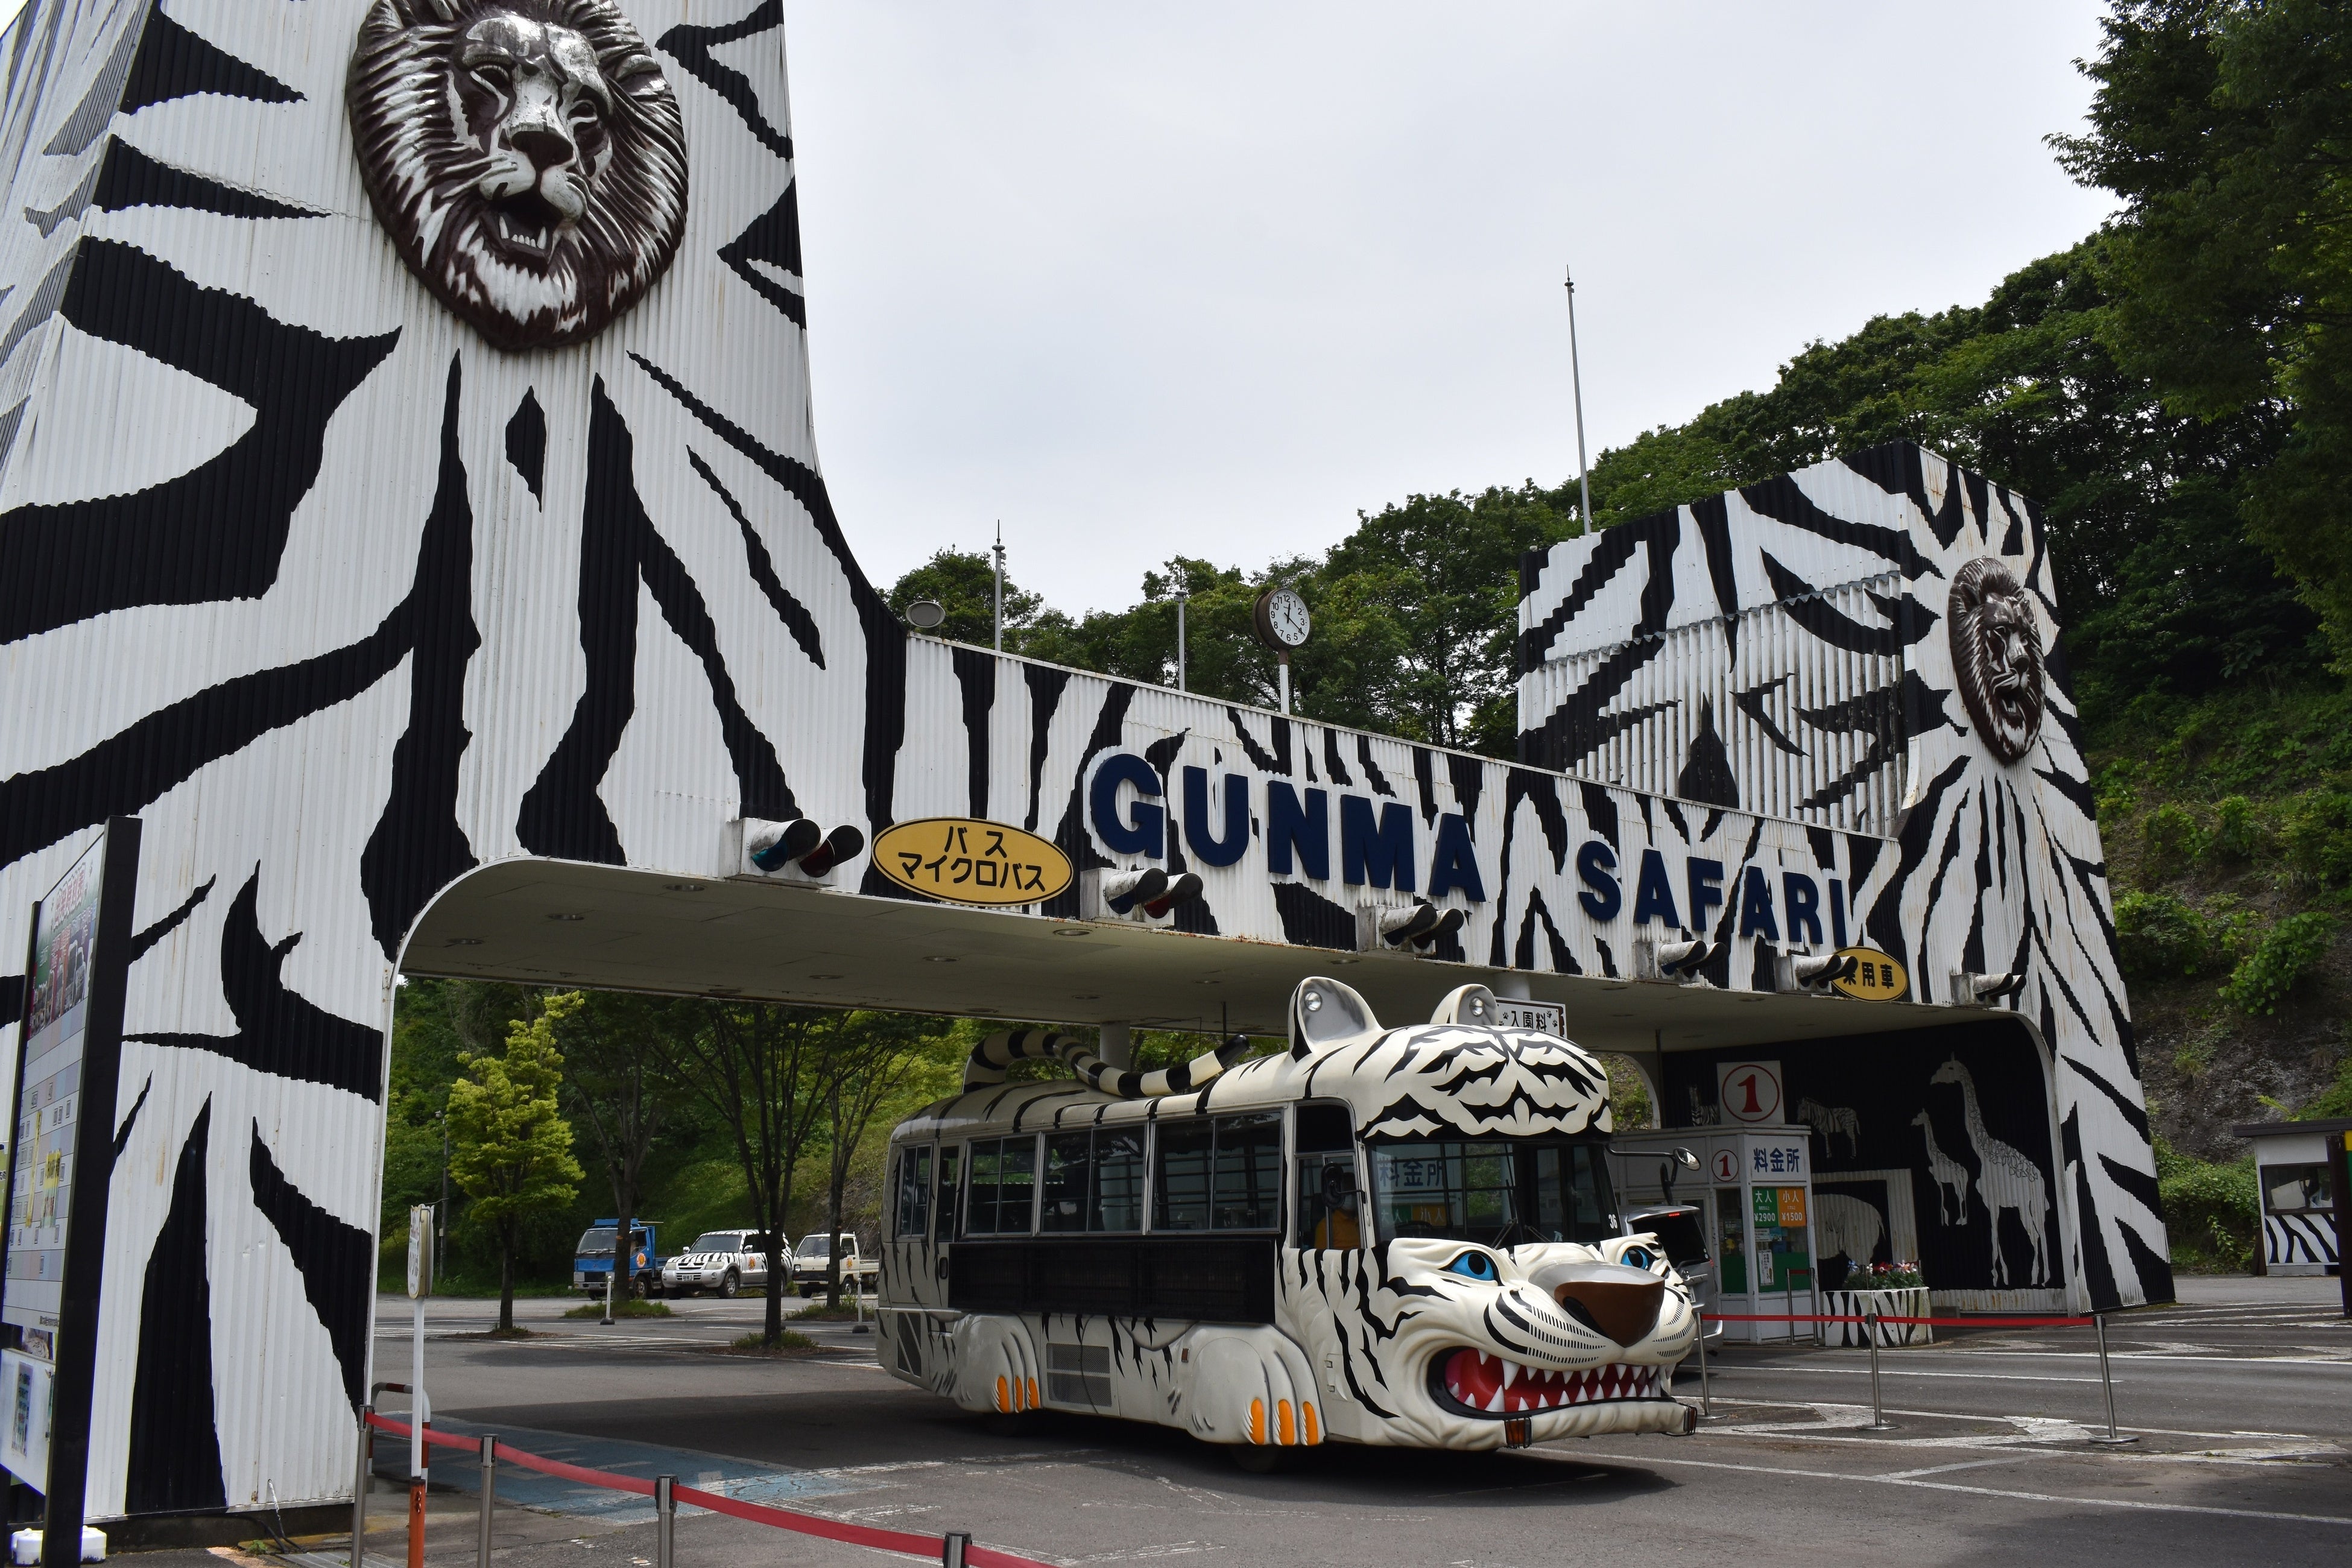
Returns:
(2226, 128)
(618, 1086)
(870, 1063)
(762, 1070)
(964, 584)
(510, 1148)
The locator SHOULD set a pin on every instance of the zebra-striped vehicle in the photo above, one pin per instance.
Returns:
(1401, 1236)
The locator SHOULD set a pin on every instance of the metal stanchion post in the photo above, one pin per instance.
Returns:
(666, 1534)
(417, 1521)
(2107, 1385)
(1706, 1394)
(360, 1477)
(952, 1546)
(489, 1497)
(1878, 1421)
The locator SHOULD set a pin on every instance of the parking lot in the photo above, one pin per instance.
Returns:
(2241, 1398)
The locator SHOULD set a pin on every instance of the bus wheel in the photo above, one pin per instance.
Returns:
(1258, 1459)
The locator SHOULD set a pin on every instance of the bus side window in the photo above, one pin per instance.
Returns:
(948, 1192)
(1179, 1199)
(915, 1192)
(1328, 1205)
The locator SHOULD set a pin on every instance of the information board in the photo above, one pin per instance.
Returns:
(41, 1168)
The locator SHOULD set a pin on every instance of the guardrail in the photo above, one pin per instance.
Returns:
(955, 1549)
(1871, 1321)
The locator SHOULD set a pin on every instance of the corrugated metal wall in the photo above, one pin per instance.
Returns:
(344, 604)
(1808, 729)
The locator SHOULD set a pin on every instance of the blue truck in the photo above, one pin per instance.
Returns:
(592, 1260)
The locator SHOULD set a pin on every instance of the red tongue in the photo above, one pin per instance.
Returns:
(1472, 1378)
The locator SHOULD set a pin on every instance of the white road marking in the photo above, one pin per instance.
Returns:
(1942, 1469)
(2060, 1499)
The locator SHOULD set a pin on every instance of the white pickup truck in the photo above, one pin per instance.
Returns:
(813, 1255)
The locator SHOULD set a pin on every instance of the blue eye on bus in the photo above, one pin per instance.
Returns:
(1474, 1266)
(1638, 1258)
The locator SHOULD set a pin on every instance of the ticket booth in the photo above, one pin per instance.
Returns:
(2297, 1166)
(1756, 1185)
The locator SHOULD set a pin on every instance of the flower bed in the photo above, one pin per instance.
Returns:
(1904, 1304)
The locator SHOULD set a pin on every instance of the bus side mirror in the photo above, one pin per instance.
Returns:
(1339, 1186)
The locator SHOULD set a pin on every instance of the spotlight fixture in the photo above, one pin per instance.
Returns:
(1410, 924)
(1122, 891)
(1182, 890)
(801, 844)
(1827, 970)
(926, 615)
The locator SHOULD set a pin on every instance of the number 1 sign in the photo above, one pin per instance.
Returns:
(1749, 1091)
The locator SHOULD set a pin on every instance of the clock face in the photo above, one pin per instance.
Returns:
(1286, 617)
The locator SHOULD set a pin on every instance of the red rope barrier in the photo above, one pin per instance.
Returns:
(1938, 1322)
(716, 1502)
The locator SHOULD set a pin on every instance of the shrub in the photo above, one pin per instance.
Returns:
(2286, 952)
(2237, 835)
(2162, 937)
(2115, 798)
(2316, 835)
(2212, 1213)
(2172, 839)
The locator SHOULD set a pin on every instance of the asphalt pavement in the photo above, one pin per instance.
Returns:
(2240, 1398)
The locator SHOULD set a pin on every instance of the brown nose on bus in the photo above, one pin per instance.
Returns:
(1610, 1298)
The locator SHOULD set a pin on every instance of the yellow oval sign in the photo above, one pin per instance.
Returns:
(965, 861)
(1876, 978)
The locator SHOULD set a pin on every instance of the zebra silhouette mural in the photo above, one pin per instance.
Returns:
(377, 518)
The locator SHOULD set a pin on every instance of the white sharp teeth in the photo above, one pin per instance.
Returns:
(1495, 1402)
(1511, 1370)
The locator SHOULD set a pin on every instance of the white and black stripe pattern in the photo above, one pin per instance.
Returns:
(345, 606)
(2305, 1239)
(1987, 868)
(995, 1054)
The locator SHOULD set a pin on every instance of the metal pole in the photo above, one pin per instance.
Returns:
(440, 1224)
(2107, 1384)
(1706, 1394)
(1878, 1421)
(1179, 641)
(419, 1408)
(1000, 587)
(1576, 380)
(952, 1547)
(360, 1478)
(1286, 681)
(489, 1497)
(666, 1534)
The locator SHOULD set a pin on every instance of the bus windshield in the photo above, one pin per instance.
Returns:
(1497, 1193)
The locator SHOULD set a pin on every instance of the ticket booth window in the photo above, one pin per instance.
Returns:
(2297, 1189)
(1731, 1240)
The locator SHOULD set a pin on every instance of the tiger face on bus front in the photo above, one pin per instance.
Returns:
(1574, 1340)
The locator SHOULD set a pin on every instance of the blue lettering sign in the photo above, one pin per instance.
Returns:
(1601, 898)
(1756, 918)
(1137, 835)
(1653, 896)
(1804, 906)
(1454, 862)
(1382, 856)
(1293, 829)
(1704, 878)
(1208, 851)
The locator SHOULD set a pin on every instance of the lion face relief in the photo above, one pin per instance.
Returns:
(1997, 654)
(526, 156)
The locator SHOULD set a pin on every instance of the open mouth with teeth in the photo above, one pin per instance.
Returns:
(526, 226)
(1478, 1384)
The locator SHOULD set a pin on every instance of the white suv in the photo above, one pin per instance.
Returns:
(726, 1261)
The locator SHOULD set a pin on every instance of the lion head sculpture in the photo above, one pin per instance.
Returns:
(526, 156)
(1997, 654)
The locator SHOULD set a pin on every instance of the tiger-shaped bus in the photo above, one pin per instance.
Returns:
(1401, 1236)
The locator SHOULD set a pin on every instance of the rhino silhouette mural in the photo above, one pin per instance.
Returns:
(370, 534)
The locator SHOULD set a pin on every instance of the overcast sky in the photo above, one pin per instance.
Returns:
(1210, 277)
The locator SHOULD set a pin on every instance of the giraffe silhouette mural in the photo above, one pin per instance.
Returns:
(1951, 1177)
(2008, 1180)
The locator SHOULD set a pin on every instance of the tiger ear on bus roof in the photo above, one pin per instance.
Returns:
(1467, 1004)
(1324, 1014)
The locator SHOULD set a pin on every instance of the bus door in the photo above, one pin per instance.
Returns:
(1328, 1212)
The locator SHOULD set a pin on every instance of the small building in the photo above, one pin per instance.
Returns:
(2296, 1167)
